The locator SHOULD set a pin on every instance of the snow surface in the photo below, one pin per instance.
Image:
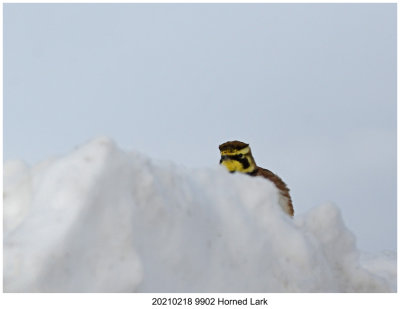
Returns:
(103, 220)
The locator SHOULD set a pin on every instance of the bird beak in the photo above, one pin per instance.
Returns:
(223, 158)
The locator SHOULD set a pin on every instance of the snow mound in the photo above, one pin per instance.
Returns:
(103, 220)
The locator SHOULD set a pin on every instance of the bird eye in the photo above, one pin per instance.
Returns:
(241, 155)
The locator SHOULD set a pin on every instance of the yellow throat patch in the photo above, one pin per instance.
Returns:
(238, 160)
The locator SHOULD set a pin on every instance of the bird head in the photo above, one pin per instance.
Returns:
(236, 157)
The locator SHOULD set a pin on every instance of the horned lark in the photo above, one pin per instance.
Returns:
(236, 157)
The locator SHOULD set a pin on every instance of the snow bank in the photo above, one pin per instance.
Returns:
(103, 220)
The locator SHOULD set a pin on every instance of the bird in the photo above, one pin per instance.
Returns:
(236, 156)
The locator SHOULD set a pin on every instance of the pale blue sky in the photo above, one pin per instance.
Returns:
(311, 87)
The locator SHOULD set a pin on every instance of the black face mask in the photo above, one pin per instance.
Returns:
(244, 161)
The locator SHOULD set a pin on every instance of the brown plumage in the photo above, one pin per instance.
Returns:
(286, 201)
(237, 156)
